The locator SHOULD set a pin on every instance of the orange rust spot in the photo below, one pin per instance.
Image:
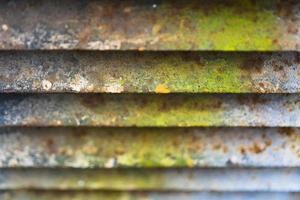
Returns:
(268, 142)
(242, 150)
(127, 9)
(225, 149)
(49, 144)
(258, 147)
(84, 35)
(120, 151)
(162, 89)
(277, 67)
(90, 149)
(217, 146)
(220, 147)
(292, 29)
(195, 146)
(65, 151)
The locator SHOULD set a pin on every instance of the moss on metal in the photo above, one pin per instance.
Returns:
(151, 25)
(244, 25)
(150, 72)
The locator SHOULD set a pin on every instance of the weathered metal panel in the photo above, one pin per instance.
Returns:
(242, 160)
(206, 179)
(150, 110)
(143, 72)
(112, 195)
(151, 25)
(149, 147)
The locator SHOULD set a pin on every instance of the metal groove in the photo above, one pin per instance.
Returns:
(150, 110)
(149, 147)
(152, 25)
(107, 195)
(144, 72)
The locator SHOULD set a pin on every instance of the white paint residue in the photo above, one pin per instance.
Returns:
(46, 85)
(78, 83)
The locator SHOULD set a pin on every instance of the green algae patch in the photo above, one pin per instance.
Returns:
(186, 73)
(124, 178)
(155, 110)
(205, 75)
(133, 148)
(238, 26)
(175, 110)
(164, 149)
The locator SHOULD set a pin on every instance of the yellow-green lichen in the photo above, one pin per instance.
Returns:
(195, 74)
(205, 75)
(242, 25)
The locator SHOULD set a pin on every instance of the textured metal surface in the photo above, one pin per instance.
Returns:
(208, 179)
(159, 72)
(106, 195)
(152, 25)
(149, 147)
(150, 110)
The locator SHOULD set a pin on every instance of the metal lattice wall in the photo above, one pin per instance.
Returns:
(149, 100)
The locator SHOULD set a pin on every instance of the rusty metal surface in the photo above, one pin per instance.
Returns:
(150, 110)
(206, 179)
(111, 195)
(143, 72)
(152, 25)
(149, 147)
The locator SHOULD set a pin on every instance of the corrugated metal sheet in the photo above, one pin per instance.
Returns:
(229, 129)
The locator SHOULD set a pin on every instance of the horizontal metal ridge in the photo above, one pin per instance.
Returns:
(109, 195)
(275, 110)
(151, 25)
(227, 180)
(143, 72)
(149, 147)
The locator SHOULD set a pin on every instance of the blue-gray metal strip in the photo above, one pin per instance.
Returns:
(206, 179)
(273, 110)
(149, 147)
